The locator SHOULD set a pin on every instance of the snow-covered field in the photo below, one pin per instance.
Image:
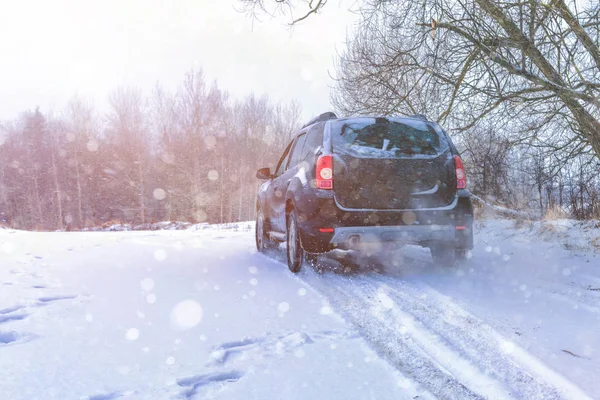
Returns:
(199, 314)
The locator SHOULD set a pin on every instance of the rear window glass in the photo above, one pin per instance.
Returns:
(388, 138)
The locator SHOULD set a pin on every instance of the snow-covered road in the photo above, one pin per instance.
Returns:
(200, 314)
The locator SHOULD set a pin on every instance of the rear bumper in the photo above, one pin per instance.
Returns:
(355, 237)
(451, 224)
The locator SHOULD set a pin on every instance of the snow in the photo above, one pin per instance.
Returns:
(302, 175)
(370, 152)
(507, 212)
(199, 314)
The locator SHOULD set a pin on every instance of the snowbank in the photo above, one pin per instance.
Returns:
(170, 226)
(503, 211)
(578, 236)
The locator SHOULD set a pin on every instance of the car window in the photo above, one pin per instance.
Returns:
(314, 139)
(283, 160)
(388, 138)
(296, 156)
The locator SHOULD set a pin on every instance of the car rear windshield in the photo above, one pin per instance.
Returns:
(388, 138)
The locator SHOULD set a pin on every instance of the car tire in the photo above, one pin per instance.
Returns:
(462, 254)
(444, 254)
(263, 242)
(295, 252)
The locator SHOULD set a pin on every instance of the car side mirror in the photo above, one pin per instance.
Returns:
(263, 173)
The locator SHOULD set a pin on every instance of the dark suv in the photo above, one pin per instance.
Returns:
(363, 183)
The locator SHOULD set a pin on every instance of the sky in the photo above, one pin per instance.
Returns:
(55, 49)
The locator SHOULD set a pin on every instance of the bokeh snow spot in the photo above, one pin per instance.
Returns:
(283, 307)
(409, 217)
(325, 310)
(160, 255)
(170, 360)
(507, 347)
(147, 284)
(218, 355)
(89, 317)
(186, 314)
(159, 194)
(301, 292)
(210, 141)
(254, 281)
(168, 158)
(488, 249)
(200, 215)
(217, 288)
(213, 175)
(132, 334)
(151, 298)
(253, 270)
(92, 145)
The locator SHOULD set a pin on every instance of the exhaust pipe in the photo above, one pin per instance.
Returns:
(353, 240)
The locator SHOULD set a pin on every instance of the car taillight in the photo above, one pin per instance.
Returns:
(461, 175)
(325, 172)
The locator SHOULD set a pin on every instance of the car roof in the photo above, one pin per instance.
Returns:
(416, 117)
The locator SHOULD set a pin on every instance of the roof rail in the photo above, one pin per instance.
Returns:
(323, 117)
(419, 116)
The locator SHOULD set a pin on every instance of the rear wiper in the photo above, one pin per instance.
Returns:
(344, 129)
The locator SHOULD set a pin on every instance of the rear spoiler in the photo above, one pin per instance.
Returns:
(323, 117)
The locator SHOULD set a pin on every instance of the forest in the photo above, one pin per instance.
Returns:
(190, 155)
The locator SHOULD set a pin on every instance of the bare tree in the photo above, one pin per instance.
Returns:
(81, 131)
(130, 143)
(462, 62)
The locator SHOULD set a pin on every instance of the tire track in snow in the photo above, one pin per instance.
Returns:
(382, 334)
(520, 357)
(438, 344)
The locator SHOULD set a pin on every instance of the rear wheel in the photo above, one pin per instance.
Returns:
(263, 242)
(444, 254)
(462, 254)
(295, 253)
